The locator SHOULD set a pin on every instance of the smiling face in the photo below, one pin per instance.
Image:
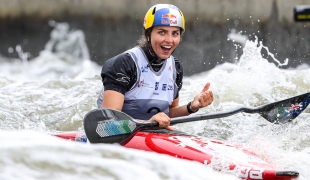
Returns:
(164, 40)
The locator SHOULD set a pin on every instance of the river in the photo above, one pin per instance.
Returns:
(52, 93)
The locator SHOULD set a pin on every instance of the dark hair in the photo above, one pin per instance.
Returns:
(143, 41)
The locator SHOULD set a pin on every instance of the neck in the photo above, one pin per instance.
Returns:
(154, 62)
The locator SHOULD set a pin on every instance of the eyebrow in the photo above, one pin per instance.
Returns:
(167, 30)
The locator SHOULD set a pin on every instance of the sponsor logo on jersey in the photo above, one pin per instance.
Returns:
(122, 78)
(164, 87)
(156, 85)
(140, 84)
(144, 69)
(145, 85)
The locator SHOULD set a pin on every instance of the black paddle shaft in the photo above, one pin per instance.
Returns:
(278, 112)
(112, 126)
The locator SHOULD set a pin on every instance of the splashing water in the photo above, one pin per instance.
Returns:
(53, 92)
(252, 82)
(253, 50)
(65, 42)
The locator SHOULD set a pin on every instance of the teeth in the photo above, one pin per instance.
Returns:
(168, 47)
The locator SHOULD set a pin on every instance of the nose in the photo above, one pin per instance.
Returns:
(169, 38)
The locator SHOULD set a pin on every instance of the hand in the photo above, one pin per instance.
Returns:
(203, 99)
(162, 119)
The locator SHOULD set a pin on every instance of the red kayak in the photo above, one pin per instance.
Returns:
(106, 125)
(225, 157)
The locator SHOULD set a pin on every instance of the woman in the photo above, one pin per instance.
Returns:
(144, 82)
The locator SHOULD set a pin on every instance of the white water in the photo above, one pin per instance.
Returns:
(55, 90)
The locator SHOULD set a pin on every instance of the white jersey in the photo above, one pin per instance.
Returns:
(153, 91)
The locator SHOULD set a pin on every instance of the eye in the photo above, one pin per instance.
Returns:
(175, 33)
(161, 32)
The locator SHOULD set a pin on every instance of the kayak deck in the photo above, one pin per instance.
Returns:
(222, 156)
(225, 157)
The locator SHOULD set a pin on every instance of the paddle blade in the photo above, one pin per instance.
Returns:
(108, 126)
(286, 110)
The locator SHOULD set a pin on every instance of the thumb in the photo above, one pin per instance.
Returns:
(206, 88)
(171, 128)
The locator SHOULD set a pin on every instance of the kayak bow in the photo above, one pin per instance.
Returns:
(225, 157)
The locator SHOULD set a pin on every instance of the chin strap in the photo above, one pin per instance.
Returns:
(152, 52)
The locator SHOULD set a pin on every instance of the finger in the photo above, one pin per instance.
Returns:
(210, 97)
(163, 124)
(163, 120)
(211, 94)
(207, 99)
(167, 122)
(171, 128)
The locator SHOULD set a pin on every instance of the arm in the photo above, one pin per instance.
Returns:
(118, 76)
(203, 99)
(176, 110)
(113, 100)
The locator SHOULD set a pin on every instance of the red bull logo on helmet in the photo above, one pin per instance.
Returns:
(169, 19)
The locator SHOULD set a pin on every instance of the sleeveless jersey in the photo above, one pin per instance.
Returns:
(154, 91)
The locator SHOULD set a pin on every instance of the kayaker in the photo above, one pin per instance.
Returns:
(145, 81)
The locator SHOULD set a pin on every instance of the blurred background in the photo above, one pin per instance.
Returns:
(216, 30)
(52, 51)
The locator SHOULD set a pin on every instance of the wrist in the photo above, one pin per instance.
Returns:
(189, 109)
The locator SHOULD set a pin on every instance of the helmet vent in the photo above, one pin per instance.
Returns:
(154, 10)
